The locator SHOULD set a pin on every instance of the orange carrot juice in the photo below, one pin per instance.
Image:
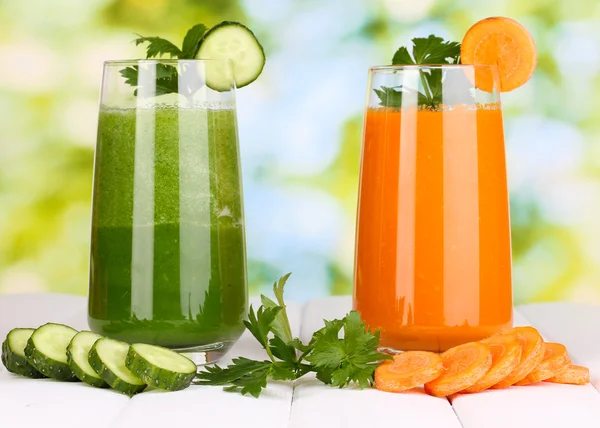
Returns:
(433, 257)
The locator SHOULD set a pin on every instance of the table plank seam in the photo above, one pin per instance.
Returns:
(455, 413)
(595, 385)
(115, 420)
(291, 408)
(295, 382)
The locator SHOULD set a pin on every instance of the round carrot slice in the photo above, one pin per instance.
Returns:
(464, 365)
(502, 42)
(532, 353)
(556, 360)
(408, 370)
(506, 355)
(574, 375)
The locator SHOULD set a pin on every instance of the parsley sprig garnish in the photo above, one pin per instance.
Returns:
(430, 50)
(337, 361)
(167, 80)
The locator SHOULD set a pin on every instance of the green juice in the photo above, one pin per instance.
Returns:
(168, 263)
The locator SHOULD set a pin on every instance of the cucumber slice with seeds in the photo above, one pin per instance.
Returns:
(46, 350)
(107, 358)
(77, 357)
(234, 41)
(160, 367)
(13, 353)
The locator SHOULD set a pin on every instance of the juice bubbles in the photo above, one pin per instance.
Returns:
(433, 258)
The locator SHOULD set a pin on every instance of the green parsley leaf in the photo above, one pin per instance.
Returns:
(430, 50)
(253, 383)
(389, 97)
(166, 79)
(402, 57)
(283, 371)
(211, 312)
(434, 77)
(191, 42)
(245, 376)
(297, 343)
(158, 46)
(259, 324)
(282, 350)
(349, 360)
(281, 325)
(328, 349)
(392, 97)
(240, 367)
(325, 375)
(350, 373)
(434, 50)
(130, 74)
(354, 331)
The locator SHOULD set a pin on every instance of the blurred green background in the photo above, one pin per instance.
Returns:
(300, 127)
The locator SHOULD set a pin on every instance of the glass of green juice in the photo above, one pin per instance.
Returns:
(168, 260)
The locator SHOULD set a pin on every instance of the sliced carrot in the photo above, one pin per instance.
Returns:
(532, 353)
(408, 370)
(506, 355)
(556, 360)
(575, 375)
(464, 365)
(503, 42)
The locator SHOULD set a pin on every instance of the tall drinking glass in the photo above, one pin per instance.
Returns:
(168, 263)
(433, 251)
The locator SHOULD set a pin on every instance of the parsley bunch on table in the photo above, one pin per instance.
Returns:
(337, 359)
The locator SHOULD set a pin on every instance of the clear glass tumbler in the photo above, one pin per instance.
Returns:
(168, 261)
(433, 250)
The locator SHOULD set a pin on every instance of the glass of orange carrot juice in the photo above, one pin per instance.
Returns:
(433, 253)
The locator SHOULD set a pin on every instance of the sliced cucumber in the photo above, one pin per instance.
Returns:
(13, 353)
(77, 357)
(160, 367)
(234, 41)
(46, 350)
(107, 358)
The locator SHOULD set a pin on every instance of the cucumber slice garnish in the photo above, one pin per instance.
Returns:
(160, 367)
(77, 358)
(107, 358)
(234, 41)
(13, 353)
(46, 351)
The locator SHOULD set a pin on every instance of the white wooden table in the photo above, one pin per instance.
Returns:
(48, 403)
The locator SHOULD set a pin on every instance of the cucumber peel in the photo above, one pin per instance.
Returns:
(13, 353)
(46, 351)
(236, 42)
(107, 358)
(78, 358)
(160, 367)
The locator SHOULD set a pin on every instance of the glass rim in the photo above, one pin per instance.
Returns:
(122, 62)
(429, 66)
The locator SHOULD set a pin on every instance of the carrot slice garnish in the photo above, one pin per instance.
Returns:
(556, 360)
(502, 42)
(464, 365)
(408, 370)
(506, 355)
(574, 375)
(532, 353)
